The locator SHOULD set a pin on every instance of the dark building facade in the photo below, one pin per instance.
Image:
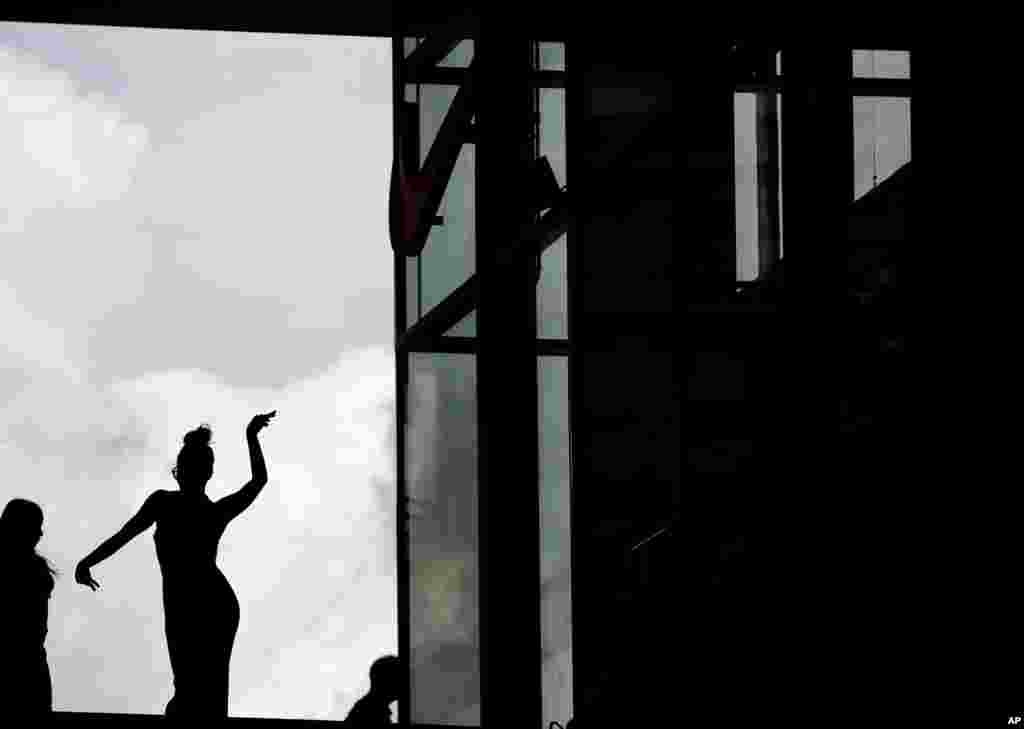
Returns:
(603, 424)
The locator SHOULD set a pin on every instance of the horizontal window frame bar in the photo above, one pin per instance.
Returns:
(468, 345)
(463, 300)
(885, 87)
(453, 76)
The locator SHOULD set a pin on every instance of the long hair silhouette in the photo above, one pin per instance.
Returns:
(201, 611)
(25, 610)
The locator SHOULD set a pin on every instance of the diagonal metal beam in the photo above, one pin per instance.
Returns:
(428, 54)
(455, 307)
(441, 159)
(438, 44)
(537, 237)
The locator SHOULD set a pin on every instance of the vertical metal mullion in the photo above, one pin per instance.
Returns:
(767, 155)
(507, 384)
(574, 114)
(401, 376)
(570, 95)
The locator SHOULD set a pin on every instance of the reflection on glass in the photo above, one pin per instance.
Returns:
(552, 131)
(412, 291)
(465, 328)
(461, 55)
(778, 106)
(881, 64)
(881, 138)
(555, 531)
(745, 126)
(434, 103)
(552, 304)
(552, 56)
(441, 482)
(449, 257)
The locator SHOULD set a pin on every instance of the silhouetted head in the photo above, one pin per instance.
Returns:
(195, 460)
(21, 526)
(386, 677)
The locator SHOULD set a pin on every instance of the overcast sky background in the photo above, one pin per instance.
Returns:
(193, 228)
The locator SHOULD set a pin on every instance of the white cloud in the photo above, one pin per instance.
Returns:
(69, 162)
(259, 171)
(60, 149)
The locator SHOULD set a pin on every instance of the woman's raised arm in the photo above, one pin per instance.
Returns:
(234, 504)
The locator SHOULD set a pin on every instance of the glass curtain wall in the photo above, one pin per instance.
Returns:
(440, 419)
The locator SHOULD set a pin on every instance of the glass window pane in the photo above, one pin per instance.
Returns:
(778, 105)
(461, 56)
(552, 131)
(434, 103)
(745, 120)
(441, 483)
(552, 304)
(552, 56)
(449, 257)
(555, 533)
(465, 328)
(412, 289)
(881, 139)
(881, 64)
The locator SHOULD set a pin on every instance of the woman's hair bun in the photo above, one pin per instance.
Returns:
(200, 437)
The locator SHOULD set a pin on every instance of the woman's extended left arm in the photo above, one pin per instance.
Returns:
(133, 527)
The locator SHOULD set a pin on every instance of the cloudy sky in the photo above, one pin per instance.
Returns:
(193, 228)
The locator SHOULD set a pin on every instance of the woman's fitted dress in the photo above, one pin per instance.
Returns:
(201, 610)
(25, 672)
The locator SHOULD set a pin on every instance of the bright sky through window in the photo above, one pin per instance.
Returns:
(194, 228)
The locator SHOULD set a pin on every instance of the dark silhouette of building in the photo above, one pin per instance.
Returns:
(564, 345)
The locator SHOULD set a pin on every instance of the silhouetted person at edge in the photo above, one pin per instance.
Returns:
(373, 709)
(28, 583)
(201, 611)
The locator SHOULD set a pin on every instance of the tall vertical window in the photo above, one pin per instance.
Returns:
(757, 121)
(881, 123)
(441, 488)
(439, 474)
(555, 533)
(449, 255)
(881, 140)
(552, 303)
(745, 120)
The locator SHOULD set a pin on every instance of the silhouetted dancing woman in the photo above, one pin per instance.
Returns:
(28, 583)
(200, 608)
